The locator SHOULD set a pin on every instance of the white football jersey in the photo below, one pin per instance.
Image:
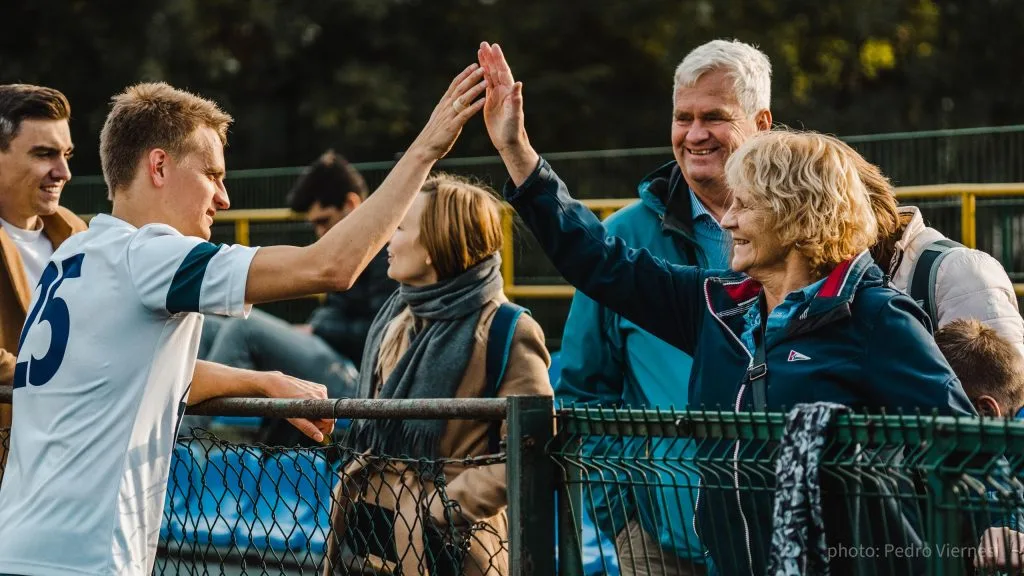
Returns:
(103, 374)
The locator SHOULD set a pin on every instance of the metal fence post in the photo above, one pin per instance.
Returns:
(531, 486)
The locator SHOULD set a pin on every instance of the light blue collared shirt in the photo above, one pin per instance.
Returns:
(713, 240)
(778, 318)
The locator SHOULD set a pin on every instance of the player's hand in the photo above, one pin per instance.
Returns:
(1000, 548)
(460, 102)
(503, 106)
(303, 328)
(278, 385)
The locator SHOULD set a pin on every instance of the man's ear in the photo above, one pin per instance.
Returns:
(763, 120)
(156, 167)
(988, 407)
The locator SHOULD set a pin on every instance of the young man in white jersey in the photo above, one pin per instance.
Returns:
(108, 355)
(35, 147)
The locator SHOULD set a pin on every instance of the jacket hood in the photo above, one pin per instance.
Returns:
(655, 189)
(666, 193)
(914, 228)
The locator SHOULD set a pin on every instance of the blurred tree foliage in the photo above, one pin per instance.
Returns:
(362, 75)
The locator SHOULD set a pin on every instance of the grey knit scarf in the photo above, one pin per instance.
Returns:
(434, 363)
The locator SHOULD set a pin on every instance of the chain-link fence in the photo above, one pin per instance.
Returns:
(240, 507)
(321, 510)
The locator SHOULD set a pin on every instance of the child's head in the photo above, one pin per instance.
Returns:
(989, 367)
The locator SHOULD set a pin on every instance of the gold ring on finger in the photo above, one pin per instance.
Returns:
(458, 105)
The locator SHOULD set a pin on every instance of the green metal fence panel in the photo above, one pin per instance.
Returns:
(982, 155)
(899, 494)
(979, 155)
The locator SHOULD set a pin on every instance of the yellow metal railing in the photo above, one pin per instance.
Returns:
(967, 193)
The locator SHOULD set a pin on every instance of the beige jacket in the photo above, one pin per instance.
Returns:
(15, 293)
(478, 490)
(968, 284)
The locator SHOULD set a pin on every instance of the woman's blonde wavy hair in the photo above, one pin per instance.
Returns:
(809, 188)
(460, 227)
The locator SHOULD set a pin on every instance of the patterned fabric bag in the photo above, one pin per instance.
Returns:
(798, 544)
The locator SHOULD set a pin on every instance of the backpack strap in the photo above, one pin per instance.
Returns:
(499, 344)
(923, 276)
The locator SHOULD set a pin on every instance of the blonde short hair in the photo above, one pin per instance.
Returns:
(809, 186)
(986, 363)
(461, 223)
(153, 115)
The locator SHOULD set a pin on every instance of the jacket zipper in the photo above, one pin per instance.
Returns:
(736, 483)
(736, 451)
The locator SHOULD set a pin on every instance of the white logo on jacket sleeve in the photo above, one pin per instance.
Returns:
(795, 356)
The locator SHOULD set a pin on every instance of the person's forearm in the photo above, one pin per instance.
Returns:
(350, 245)
(212, 380)
(520, 161)
(334, 262)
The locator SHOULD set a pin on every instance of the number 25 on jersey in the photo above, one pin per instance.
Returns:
(49, 309)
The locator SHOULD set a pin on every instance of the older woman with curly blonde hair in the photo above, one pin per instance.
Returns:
(804, 316)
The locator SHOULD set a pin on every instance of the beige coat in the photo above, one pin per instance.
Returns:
(478, 490)
(15, 293)
(969, 283)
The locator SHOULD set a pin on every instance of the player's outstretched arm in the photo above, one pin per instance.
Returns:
(212, 380)
(336, 260)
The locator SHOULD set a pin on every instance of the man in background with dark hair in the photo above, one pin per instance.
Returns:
(329, 190)
(328, 348)
(35, 147)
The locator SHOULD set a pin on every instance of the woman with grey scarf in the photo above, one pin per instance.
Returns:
(417, 516)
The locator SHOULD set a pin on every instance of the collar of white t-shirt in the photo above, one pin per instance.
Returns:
(34, 247)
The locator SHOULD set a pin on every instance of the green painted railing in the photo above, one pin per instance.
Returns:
(982, 155)
(899, 494)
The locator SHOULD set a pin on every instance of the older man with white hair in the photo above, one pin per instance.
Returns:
(721, 97)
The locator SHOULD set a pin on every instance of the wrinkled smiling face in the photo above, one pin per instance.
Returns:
(34, 169)
(708, 124)
(756, 246)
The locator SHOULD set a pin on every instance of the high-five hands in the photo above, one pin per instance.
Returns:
(459, 103)
(503, 114)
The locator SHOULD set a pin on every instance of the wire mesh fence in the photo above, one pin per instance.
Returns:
(986, 154)
(326, 510)
(667, 493)
(241, 507)
(630, 492)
